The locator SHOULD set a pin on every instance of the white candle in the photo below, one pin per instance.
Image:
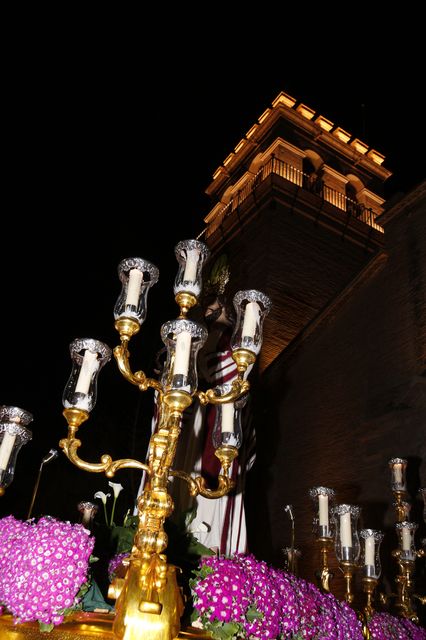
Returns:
(190, 272)
(88, 367)
(182, 353)
(134, 287)
(345, 530)
(251, 317)
(406, 539)
(397, 470)
(6, 449)
(369, 551)
(228, 417)
(323, 510)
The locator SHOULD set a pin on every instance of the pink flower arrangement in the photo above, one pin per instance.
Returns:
(383, 626)
(43, 568)
(241, 597)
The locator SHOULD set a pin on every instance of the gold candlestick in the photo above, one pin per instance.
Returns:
(323, 500)
(324, 575)
(369, 585)
(347, 545)
(348, 569)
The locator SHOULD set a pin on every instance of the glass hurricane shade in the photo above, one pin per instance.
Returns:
(323, 500)
(227, 429)
(183, 339)
(88, 357)
(370, 553)
(251, 307)
(14, 433)
(191, 256)
(398, 467)
(136, 276)
(347, 545)
(406, 531)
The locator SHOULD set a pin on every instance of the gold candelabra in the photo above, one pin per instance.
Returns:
(406, 554)
(149, 602)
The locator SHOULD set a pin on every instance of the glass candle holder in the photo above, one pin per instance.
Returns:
(227, 428)
(136, 276)
(87, 511)
(13, 434)
(398, 468)
(347, 545)
(407, 548)
(183, 339)
(323, 500)
(88, 357)
(370, 553)
(251, 308)
(191, 256)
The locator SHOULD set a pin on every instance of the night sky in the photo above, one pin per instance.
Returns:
(107, 152)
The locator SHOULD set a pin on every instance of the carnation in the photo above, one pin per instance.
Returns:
(43, 568)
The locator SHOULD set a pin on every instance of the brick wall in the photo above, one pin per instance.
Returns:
(351, 397)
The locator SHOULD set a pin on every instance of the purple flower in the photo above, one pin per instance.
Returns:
(383, 626)
(114, 563)
(39, 578)
(241, 597)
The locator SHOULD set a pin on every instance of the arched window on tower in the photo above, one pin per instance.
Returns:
(353, 188)
(312, 171)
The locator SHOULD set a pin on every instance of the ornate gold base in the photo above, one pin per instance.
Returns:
(78, 626)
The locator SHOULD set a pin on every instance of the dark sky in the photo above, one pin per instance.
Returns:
(107, 151)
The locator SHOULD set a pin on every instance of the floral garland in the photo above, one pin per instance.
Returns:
(240, 597)
(43, 568)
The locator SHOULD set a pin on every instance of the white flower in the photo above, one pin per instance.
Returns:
(198, 527)
(102, 496)
(117, 488)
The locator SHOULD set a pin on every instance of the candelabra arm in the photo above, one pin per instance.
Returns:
(70, 445)
(182, 475)
(224, 485)
(405, 587)
(238, 389)
(122, 356)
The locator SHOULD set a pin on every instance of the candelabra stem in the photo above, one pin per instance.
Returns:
(348, 570)
(324, 575)
(369, 585)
